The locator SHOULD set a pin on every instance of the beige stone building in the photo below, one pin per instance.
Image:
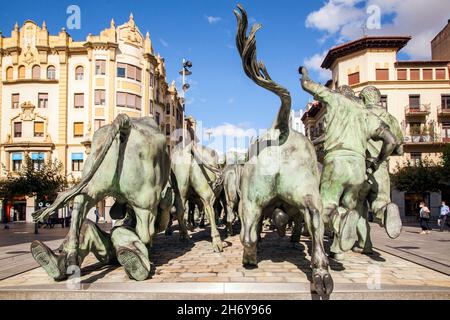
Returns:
(55, 92)
(417, 93)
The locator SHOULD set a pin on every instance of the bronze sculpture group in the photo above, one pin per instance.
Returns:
(280, 180)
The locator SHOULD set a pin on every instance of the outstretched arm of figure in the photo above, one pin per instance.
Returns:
(319, 91)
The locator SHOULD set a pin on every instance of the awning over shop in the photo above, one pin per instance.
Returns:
(17, 156)
(77, 156)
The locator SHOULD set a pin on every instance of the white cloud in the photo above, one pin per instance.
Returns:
(213, 20)
(163, 42)
(420, 19)
(313, 64)
(231, 130)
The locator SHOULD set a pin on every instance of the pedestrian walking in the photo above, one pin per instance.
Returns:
(443, 218)
(425, 215)
(97, 215)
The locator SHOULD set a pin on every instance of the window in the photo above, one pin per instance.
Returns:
(77, 162)
(129, 100)
(42, 100)
(17, 129)
(15, 101)
(382, 74)
(79, 100)
(414, 101)
(121, 70)
(21, 72)
(17, 161)
(440, 74)
(138, 74)
(414, 74)
(353, 78)
(9, 73)
(51, 73)
(37, 160)
(79, 73)
(158, 118)
(38, 129)
(36, 72)
(98, 123)
(100, 67)
(445, 101)
(168, 109)
(427, 74)
(415, 128)
(151, 107)
(167, 129)
(446, 132)
(152, 80)
(131, 72)
(416, 158)
(402, 74)
(100, 99)
(78, 129)
(384, 101)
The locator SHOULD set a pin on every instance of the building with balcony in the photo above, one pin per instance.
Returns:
(55, 92)
(417, 93)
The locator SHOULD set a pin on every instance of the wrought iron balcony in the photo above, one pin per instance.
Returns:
(443, 112)
(422, 110)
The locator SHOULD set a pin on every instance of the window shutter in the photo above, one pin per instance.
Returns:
(9, 73)
(401, 74)
(131, 101)
(414, 74)
(38, 128)
(440, 74)
(138, 103)
(97, 97)
(121, 99)
(427, 74)
(36, 72)
(382, 74)
(131, 73)
(21, 72)
(139, 74)
(353, 78)
(78, 129)
(79, 100)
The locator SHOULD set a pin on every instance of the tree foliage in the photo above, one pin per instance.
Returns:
(44, 182)
(426, 176)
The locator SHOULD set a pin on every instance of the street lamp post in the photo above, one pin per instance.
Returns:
(185, 71)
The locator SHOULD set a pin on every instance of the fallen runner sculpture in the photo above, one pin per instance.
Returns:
(281, 168)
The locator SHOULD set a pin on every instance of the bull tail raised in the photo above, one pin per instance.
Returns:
(121, 125)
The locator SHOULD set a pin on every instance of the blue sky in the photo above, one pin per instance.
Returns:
(295, 32)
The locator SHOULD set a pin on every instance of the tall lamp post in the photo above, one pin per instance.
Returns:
(185, 72)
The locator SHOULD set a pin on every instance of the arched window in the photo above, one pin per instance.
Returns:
(22, 72)
(36, 72)
(167, 129)
(51, 73)
(9, 73)
(79, 73)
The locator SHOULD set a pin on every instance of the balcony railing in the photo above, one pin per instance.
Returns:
(420, 110)
(416, 138)
(443, 111)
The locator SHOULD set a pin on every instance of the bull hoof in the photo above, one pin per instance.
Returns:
(348, 235)
(392, 221)
(249, 260)
(338, 256)
(322, 282)
(133, 264)
(48, 260)
(217, 245)
(184, 238)
(362, 251)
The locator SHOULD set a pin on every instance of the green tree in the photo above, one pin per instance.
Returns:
(43, 182)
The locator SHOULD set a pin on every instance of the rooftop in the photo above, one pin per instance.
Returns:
(367, 42)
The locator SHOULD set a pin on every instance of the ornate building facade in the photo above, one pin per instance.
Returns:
(55, 92)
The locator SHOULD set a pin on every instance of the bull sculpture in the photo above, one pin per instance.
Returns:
(281, 170)
(130, 163)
